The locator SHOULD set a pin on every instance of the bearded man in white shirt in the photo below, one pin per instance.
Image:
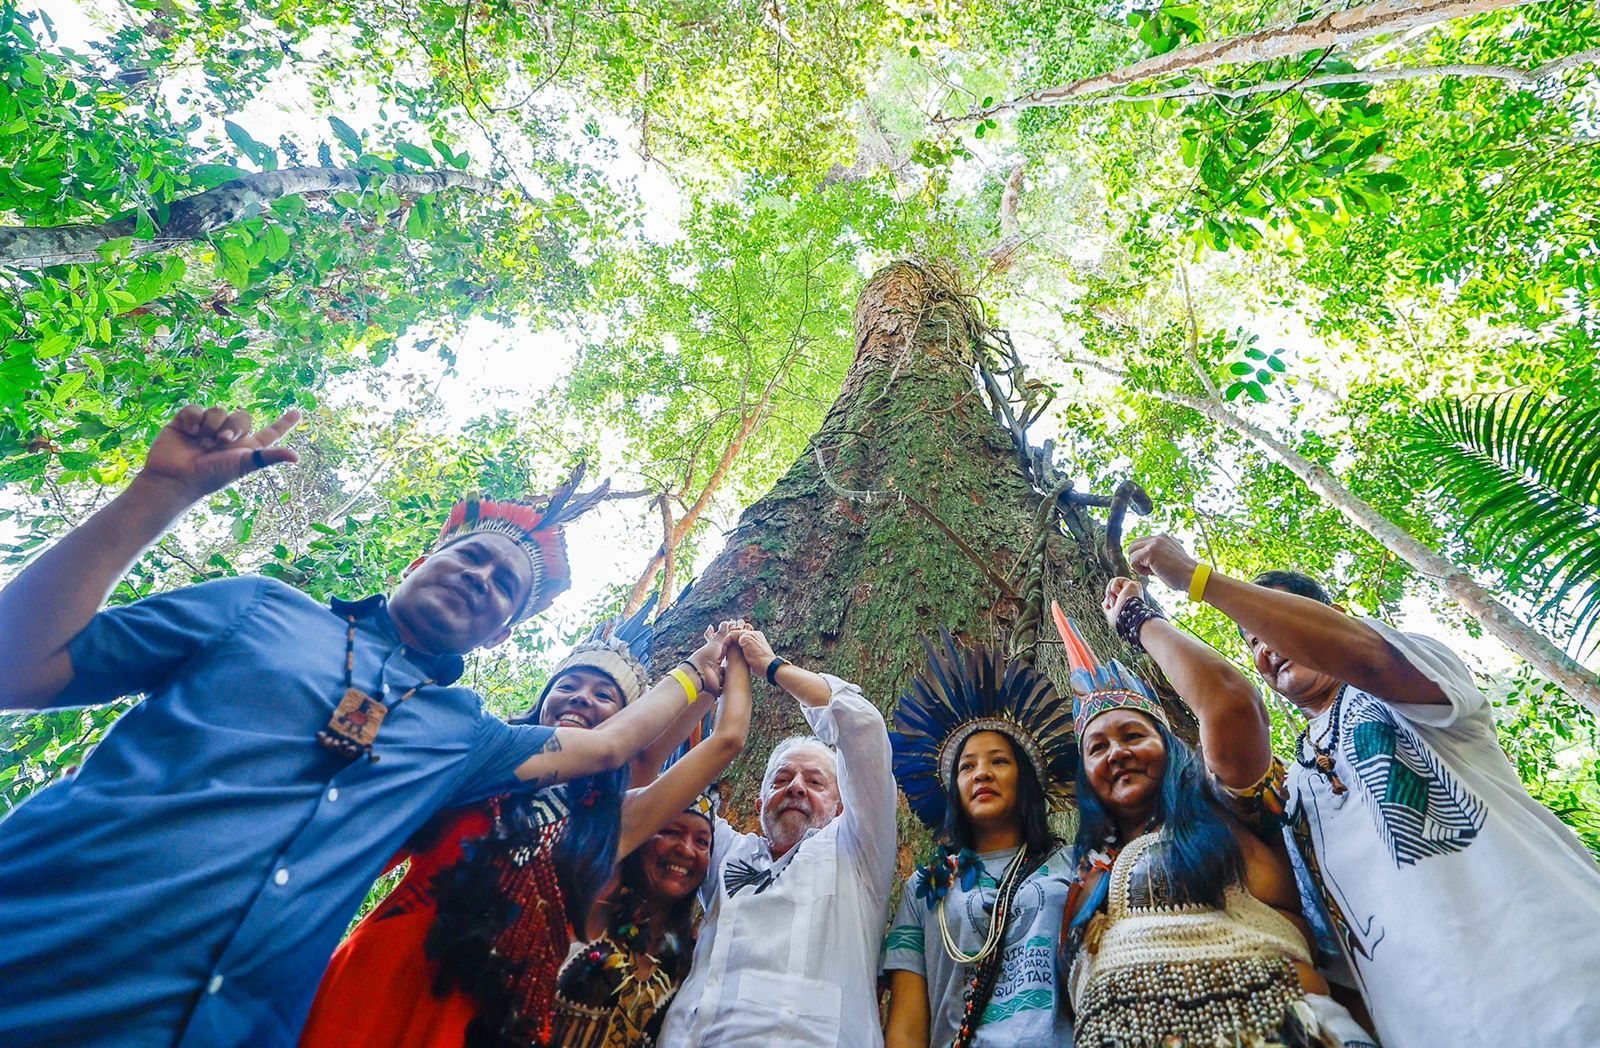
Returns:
(1469, 913)
(788, 951)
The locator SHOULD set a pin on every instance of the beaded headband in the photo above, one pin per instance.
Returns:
(707, 803)
(1102, 687)
(617, 647)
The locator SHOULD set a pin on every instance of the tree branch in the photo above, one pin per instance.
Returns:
(1493, 616)
(1333, 29)
(198, 216)
(1523, 79)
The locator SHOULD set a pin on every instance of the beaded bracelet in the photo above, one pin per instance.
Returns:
(1132, 618)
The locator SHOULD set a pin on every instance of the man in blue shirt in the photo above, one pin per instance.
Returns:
(188, 885)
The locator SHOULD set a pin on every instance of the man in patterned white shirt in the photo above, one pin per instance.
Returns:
(788, 950)
(1469, 913)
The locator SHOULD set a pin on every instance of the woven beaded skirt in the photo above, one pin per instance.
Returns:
(1235, 1003)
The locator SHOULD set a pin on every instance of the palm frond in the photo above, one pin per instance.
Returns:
(1525, 470)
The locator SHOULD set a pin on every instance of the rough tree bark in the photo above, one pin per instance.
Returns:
(909, 510)
(1497, 619)
(198, 216)
(1337, 28)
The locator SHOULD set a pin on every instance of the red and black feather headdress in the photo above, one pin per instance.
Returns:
(536, 526)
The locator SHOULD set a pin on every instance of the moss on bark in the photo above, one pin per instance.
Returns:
(842, 563)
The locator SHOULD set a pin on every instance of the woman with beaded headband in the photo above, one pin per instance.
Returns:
(1184, 926)
(466, 949)
(983, 748)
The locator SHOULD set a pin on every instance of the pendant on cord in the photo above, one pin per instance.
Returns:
(354, 725)
(1325, 765)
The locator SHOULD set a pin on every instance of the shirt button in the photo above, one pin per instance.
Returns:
(333, 794)
(215, 984)
(281, 877)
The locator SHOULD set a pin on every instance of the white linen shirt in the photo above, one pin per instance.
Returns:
(790, 955)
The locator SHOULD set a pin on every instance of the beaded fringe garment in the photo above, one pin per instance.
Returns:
(1154, 973)
(631, 1015)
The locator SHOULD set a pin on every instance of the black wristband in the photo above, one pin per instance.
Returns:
(701, 677)
(1135, 613)
(772, 669)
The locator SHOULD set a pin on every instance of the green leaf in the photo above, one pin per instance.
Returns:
(276, 242)
(1239, 367)
(415, 154)
(1255, 392)
(346, 134)
(205, 176)
(234, 267)
(249, 146)
(113, 251)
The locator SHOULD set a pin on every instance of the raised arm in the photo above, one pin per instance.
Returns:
(573, 753)
(843, 718)
(1235, 735)
(648, 764)
(1301, 630)
(53, 599)
(646, 810)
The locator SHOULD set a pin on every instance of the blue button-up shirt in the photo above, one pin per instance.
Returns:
(189, 884)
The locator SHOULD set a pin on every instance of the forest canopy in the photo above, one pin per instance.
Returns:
(1323, 279)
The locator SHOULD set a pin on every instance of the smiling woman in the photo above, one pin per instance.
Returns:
(1183, 926)
(982, 747)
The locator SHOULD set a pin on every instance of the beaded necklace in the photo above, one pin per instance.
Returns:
(980, 988)
(1321, 759)
(354, 725)
(997, 919)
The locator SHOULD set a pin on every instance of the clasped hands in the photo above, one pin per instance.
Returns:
(730, 642)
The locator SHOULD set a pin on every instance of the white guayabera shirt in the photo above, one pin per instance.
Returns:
(788, 952)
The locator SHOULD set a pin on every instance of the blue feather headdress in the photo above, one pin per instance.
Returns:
(1099, 687)
(617, 647)
(971, 689)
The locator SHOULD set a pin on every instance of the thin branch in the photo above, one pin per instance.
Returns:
(1333, 29)
(1523, 79)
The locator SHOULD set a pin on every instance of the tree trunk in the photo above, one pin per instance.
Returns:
(1496, 619)
(198, 216)
(1337, 28)
(908, 510)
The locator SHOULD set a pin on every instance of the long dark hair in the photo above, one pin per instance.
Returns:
(1199, 854)
(677, 940)
(1032, 807)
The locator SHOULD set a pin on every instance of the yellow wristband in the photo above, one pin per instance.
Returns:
(1197, 584)
(689, 690)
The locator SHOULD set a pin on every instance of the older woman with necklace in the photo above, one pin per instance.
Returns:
(1185, 927)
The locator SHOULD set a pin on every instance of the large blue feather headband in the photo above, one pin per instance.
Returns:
(1099, 687)
(971, 689)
